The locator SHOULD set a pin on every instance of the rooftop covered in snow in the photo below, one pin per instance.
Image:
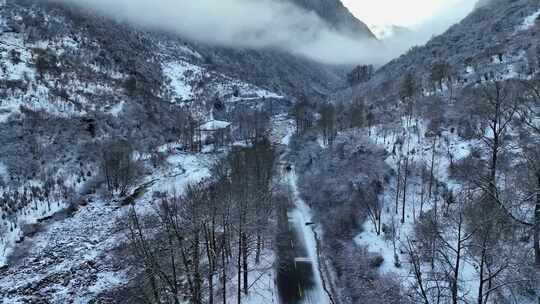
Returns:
(214, 125)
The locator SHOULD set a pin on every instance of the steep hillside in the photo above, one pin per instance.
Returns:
(138, 166)
(457, 219)
(76, 87)
(498, 40)
(338, 16)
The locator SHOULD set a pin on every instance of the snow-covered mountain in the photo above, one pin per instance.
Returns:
(430, 111)
(285, 184)
(73, 82)
(337, 15)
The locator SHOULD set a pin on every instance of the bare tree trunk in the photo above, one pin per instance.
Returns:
(224, 271)
(537, 222)
(245, 261)
(405, 188)
(196, 271)
(398, 185)
(239, 268)
(432, 167)
(422, 190)
(417, 269)
(380, 220)
(494, 160)
(174, 272)
(455, 280)
(210, 256)
(481, 278)
(258, 250)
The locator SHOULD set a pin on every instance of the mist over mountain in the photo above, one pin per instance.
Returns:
(384, 32)
(337, 15)
(268, 151)
(324, 31)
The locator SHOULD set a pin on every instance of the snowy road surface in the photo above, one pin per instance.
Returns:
(296, 274)
(298, 279)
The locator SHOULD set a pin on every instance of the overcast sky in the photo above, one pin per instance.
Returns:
(409, 13)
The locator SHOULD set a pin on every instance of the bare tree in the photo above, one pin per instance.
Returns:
(408, 91)
(529, 113)
(327, 122)
(118, 166)
(303, 116)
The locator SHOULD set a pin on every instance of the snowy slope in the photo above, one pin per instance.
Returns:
(73, 258)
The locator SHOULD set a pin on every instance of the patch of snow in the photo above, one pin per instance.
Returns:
(117, 109)
(184, 169)
(31, 214)
(4, 174)
(529, 21)
(181, 74)
(190, 52)
(496, 59)
(287, 138)
(261, 279)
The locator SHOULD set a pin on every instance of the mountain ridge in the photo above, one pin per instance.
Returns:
(338, 16)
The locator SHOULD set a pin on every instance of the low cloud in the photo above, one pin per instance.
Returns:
(441, 21)
(249, 24)
(246, 24)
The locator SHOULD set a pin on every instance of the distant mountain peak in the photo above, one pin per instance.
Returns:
(337, 16)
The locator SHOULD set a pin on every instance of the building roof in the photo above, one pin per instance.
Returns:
(214, 125)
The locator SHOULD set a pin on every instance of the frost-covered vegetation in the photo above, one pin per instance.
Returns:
(137, 166)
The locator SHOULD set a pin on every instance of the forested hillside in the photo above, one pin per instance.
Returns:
(451, 215)
(137, 165)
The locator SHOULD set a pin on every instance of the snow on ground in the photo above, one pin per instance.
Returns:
(529, 21)
(116, 109)
(67, 261)
(189, 80)
(302, 215)
(190, 52)
(282, 129)
(183, 169)
(449, 147)
(71, 259)
(4, 175)
(182, 74)
(261, 280)
(31, 214)
(26, 88)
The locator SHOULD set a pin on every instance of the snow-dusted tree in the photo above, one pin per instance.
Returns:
(327, 122)
(303, 115)
(118, 166)
(409, 88)
(529, 114)
(440, 72)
